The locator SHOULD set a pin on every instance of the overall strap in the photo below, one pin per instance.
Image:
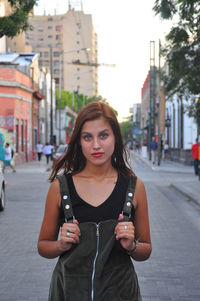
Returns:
(65, 199)
(129, 198)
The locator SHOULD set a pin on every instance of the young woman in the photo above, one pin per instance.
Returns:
(102, 226)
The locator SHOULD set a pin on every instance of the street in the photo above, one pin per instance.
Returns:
(172, 273)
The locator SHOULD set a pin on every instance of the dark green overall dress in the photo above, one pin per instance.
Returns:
(98, 268)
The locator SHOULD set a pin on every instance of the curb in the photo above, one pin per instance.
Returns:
(190, 198)
(160, 168)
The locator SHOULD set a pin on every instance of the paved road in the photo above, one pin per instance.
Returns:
(172, 272)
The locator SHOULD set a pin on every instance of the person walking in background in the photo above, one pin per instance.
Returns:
(153, 149)
(8, 158)
(47, 151)
(166, 150)
(100, 208)
(39, 147)
(195, 156)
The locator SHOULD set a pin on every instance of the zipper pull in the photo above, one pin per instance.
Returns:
(97, 233)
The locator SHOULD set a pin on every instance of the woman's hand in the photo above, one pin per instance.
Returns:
(70, 234)
(125, 232)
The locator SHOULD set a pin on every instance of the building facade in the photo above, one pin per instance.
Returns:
(15, 112)
(181, 130)
(68, 35)
(21, 122)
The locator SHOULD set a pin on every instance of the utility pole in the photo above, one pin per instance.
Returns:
(159, 106)
(51, 107)
(152, 95)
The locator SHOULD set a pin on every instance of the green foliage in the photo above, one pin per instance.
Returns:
(126, 128)
(18, 20)
(182, 49)
(79, 100)
(194, 109)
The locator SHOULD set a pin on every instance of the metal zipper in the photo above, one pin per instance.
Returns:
(94, 262)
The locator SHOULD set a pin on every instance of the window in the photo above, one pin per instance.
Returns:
(56, 71)
(56, 54)
(58, 45)
(50, 27)
(56, 63)
(40, 38)
(22, 135)
(50, 36)
(78, 33)
(77, 42)
(40, 29)
(41, 54)
(46, 54)
(50, 19)
(17, 135)
(58, 28)
(58, 37)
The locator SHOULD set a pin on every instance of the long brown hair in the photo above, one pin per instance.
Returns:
(74, 161)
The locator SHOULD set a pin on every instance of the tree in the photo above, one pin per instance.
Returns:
(182, 50)
(126, 130)
(17, 21)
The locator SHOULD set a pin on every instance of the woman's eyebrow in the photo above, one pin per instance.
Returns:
(88, 133)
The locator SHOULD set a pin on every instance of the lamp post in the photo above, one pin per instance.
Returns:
(60, 84)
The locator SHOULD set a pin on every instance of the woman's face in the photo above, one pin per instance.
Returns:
(97, 141)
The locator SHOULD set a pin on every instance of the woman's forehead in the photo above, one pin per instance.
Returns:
(99, 124)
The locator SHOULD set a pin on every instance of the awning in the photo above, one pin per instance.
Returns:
(38, 95)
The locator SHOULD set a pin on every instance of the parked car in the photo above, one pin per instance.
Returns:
(2, 191)
(59, 152)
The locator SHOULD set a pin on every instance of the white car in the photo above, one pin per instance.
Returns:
(2, 191)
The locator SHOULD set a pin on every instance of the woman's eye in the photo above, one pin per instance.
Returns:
(87, 137)
(104, 135)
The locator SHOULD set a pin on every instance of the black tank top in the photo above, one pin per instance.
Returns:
(109, 209)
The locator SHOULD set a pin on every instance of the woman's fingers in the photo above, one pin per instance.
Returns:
(125, 230)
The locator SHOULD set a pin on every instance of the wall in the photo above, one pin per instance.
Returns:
(15, 111)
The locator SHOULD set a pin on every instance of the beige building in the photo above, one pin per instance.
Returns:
(66, 34)
(4, 9)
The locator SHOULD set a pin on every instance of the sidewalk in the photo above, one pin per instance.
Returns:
(189, 188)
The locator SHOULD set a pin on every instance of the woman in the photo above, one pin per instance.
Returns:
(98, 237)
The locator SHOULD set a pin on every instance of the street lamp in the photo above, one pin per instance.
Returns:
(149, 134)
(60, 85)
(159, 136)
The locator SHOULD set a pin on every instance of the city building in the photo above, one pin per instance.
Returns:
(4, 7)
(73, 58)
(181, 130)
(20, 98)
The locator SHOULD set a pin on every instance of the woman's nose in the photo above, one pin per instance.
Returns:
(96, 144)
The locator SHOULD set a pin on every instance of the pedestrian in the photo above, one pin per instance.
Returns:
(166, 150)
(47, 151)
(39, 147)
(195, 156)
(8, 158)
(103, 223)
(154, 149)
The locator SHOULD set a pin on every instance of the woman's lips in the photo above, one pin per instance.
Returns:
(97, 155)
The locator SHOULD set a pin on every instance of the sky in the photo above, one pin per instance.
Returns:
(124, 29)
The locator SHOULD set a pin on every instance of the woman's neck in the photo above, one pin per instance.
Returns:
(98, 172)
